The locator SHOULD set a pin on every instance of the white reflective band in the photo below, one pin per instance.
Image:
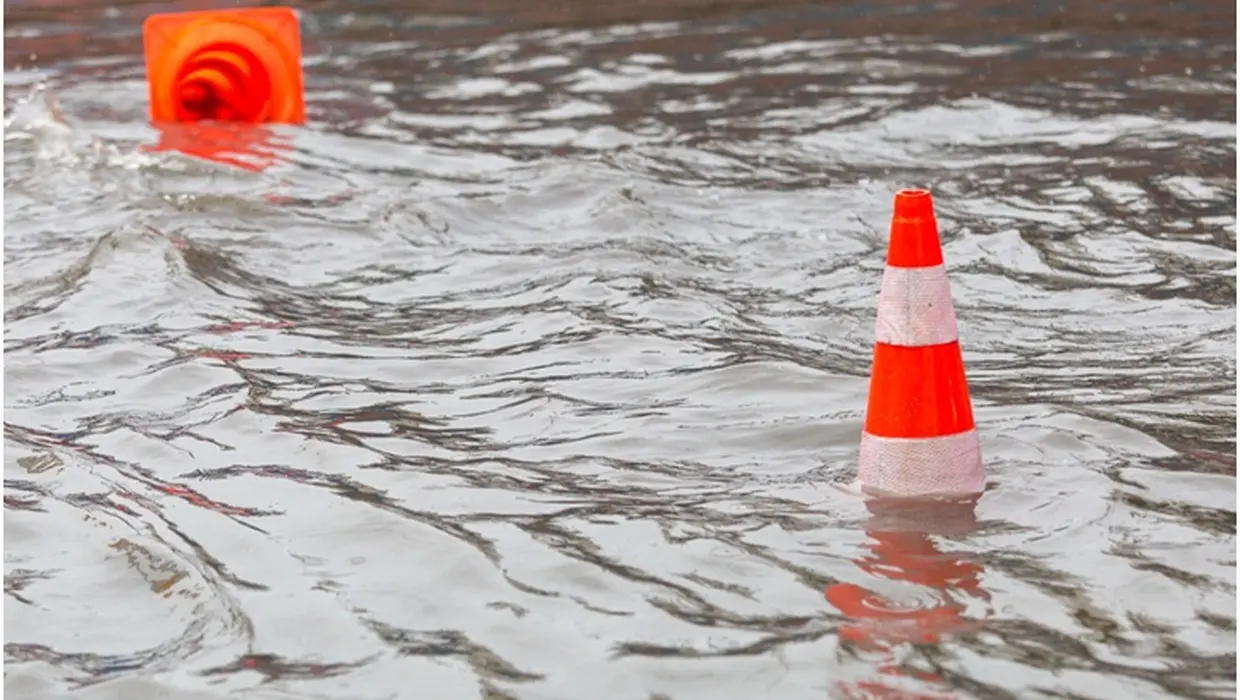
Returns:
(915, 307)
(950, 465)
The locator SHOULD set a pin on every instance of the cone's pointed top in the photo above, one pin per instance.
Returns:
(914, 231)
(914, 204)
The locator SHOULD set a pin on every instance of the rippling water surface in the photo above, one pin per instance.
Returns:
(532, 366)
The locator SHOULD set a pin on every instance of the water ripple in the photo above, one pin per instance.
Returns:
(534, 366)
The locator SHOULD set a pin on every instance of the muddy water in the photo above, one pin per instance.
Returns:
(531, 367)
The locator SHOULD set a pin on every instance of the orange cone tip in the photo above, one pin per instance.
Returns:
(240, 65)
(919, 438)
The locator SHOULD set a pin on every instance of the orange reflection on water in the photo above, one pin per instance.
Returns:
(249, 147)
(902, 549)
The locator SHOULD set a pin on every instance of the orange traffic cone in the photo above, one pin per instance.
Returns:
(237, 65)
(919, 438)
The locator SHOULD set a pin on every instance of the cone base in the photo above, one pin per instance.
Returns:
(939, 467)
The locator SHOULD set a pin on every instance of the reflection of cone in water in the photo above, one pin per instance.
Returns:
(919, 437)
(913, 558)
(879, 626)
(245, 146)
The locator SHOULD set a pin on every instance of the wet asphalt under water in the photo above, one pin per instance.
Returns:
(533, 366)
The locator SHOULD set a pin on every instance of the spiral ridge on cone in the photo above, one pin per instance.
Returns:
(232, 65)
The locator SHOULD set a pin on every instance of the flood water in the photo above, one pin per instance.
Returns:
(534, 366)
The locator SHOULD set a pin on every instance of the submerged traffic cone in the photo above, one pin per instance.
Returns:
(240, 65)
(919, 438)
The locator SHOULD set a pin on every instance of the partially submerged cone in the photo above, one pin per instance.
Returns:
(234, 65)
(919, 438)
